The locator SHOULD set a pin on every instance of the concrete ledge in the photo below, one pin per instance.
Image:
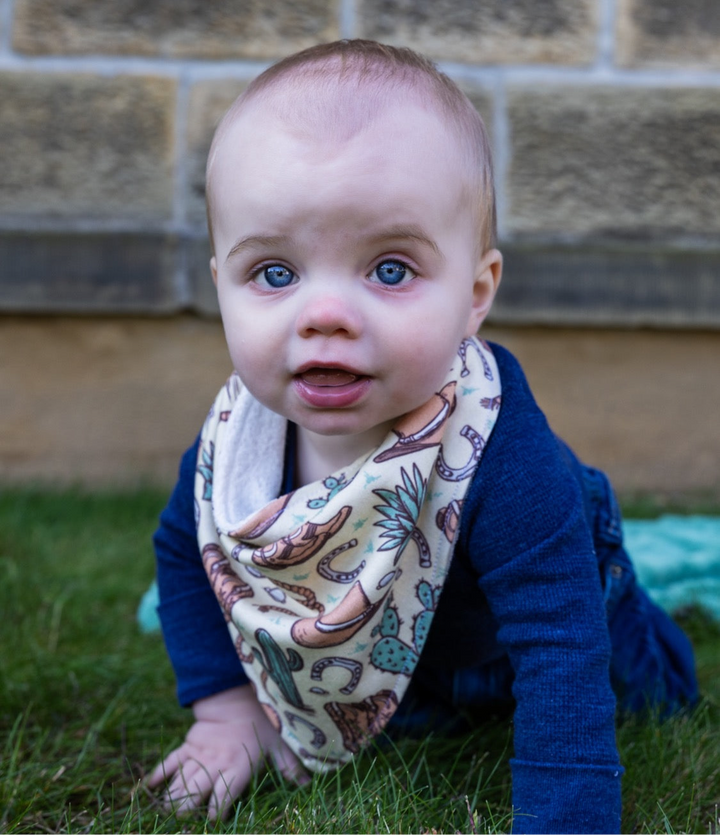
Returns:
(48, 272)
(158, 273)
(202, 290)
(611, 288)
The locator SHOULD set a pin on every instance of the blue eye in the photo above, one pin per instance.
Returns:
(278, 276)
(391, 272)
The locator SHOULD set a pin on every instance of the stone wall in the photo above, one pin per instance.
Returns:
(605, 118)
(605, 122)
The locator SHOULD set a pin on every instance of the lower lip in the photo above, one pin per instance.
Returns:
(331, 397)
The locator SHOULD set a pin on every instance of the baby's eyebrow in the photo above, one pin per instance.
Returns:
(411, 232)
(256, 241)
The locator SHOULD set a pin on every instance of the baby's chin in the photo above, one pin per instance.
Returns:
(336, 435)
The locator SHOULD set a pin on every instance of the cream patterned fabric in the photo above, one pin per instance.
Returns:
(329, 591)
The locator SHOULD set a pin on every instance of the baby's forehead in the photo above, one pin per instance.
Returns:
(323, 118)
(330, 111)
(324, 114)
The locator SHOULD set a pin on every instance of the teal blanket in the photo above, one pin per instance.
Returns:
(677, 559)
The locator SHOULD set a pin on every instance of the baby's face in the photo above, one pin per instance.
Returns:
(347, 272)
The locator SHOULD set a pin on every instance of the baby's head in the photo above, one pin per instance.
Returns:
(351, 211)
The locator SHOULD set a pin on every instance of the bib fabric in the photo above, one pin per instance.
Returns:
(329, 591)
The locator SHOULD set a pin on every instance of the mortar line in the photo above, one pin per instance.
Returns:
(246, 69)
(501, 152)
(15, 223)
(7, 15)
(347, 19)
(180, 181)
(131, 65)
(593, 75)
(606, 34)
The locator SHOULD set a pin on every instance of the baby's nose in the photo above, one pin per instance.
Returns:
(329, 314)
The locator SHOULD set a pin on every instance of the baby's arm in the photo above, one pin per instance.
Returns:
(231, 737)
(230, 740)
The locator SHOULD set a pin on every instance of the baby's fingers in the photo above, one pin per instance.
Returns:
(189, 788)
(289, 765)
(229, 785)
(164, 770)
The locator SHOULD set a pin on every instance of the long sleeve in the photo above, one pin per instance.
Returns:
(525, 532)
(195, 632)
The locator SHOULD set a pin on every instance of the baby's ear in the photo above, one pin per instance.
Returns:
(213, 270)
(487, 280)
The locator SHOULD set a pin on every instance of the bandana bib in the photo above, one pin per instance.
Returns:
(329, 591)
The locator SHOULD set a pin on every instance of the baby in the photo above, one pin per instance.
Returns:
(376, 528)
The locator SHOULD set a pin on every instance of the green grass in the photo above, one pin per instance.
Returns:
(87, 706)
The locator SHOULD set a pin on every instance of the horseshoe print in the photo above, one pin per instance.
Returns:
(458, 474)
(353, 667)
(319, 739)
(462, 352)
(324, 570)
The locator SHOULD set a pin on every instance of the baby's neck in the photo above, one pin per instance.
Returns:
(317, 456)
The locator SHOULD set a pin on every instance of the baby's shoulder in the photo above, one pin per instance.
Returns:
(521, 426)
(523, 489)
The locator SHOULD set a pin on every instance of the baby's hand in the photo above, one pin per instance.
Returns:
(230, 740)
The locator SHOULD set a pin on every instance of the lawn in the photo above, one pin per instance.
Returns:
(87, 706)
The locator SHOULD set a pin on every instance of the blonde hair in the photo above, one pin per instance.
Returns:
(350, 80)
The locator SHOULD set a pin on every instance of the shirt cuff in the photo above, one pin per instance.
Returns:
(565, 797)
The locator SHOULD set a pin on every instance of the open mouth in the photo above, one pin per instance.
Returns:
(330, 387)
(331, 377)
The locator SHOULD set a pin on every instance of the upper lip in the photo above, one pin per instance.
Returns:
(339, 366)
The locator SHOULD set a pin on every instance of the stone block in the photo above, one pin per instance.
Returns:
(491, 32)
(629, 287)
(666, 33)
(173, 28)
(76, 145)
(87, 273)
(618, 163)
(208, 102)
